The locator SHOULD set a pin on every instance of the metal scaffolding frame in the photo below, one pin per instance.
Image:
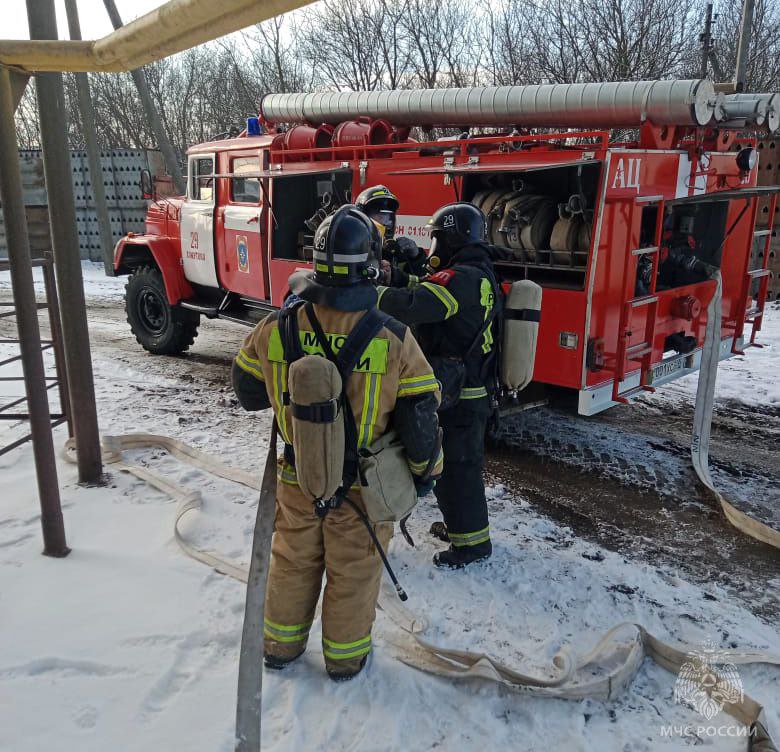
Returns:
(60, 379)
(25, 309)
(65, 243)
(175, 26)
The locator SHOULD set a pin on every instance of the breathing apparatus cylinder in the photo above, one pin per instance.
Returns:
(317, 425)
(521, 326)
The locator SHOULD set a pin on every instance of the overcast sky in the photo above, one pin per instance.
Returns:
(92, 14)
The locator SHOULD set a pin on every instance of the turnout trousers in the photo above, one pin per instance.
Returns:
(304, 548)
(460, 492)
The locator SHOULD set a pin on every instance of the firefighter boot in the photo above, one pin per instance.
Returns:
(439, 530)
(343, 676)
(276, 663)
(458, 557)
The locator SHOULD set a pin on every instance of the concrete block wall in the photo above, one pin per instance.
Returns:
(121, 175)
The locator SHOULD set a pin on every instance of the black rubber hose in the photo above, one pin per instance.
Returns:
(398, 589)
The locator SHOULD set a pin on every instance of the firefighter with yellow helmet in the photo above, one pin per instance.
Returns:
(390, 384)
(406, 260)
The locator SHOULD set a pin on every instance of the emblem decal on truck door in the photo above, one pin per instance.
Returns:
(242, 251)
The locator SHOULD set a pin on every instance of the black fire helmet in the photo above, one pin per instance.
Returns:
(347, 248)
(454, 226)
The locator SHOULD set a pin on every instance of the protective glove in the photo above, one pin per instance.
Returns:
(422, 487)
(398, 278)
(405, 248)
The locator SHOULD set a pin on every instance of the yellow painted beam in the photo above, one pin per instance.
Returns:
(47, 55)
(173, 27)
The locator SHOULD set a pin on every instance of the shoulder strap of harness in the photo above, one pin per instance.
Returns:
(359, 338)
(488, 272)
(288, 332)
(488, 372)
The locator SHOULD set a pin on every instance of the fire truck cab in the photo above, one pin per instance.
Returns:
(623, 237)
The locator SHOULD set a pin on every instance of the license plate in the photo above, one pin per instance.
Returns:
(669, 367)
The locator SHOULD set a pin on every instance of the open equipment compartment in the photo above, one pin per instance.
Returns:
(544, 216)
(694, 235)
(300, 202)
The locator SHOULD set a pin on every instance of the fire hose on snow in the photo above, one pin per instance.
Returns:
(702, 423)
(603, 673)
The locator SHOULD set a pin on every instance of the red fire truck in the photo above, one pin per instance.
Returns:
(623, 235)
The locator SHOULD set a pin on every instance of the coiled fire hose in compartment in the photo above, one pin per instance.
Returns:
(535, 227)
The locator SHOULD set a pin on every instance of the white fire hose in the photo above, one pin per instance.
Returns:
(604, 673)
(702, 422)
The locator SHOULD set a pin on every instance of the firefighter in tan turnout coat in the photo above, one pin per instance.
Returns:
(392, 384)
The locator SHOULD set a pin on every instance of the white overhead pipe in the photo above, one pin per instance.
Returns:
(618, 104)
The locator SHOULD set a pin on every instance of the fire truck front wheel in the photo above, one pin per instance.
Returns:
(159, 327)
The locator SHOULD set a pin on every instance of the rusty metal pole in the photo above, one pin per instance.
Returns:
(67, 263)
(55, 325)
(152, 115)
(93, 152)
(706, 40)
(743, 45)
(26, 307)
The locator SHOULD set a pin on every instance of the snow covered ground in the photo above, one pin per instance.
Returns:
(129, 645)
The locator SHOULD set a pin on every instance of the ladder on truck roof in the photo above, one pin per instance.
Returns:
(755, 315)
(643, 351)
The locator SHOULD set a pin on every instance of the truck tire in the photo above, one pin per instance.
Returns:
(159, 327)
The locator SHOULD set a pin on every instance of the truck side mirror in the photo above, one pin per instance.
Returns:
(147, 185)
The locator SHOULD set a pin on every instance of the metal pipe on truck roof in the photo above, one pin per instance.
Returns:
(765, 102)
(62, 212)
(616, 104)
(29, 331)
(752, 109)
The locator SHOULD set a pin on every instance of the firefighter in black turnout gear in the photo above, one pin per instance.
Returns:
(454, 312)
(407, 261)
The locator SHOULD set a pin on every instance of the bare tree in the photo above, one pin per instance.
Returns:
(380, 44)
(763, 69)
(554, 34)
(619, 40)
(394, 44)
(443, 40)
(505, 42)
(276, 63)
(340, 41)
(28, 133)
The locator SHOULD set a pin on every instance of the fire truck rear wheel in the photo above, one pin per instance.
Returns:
(159, 327)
